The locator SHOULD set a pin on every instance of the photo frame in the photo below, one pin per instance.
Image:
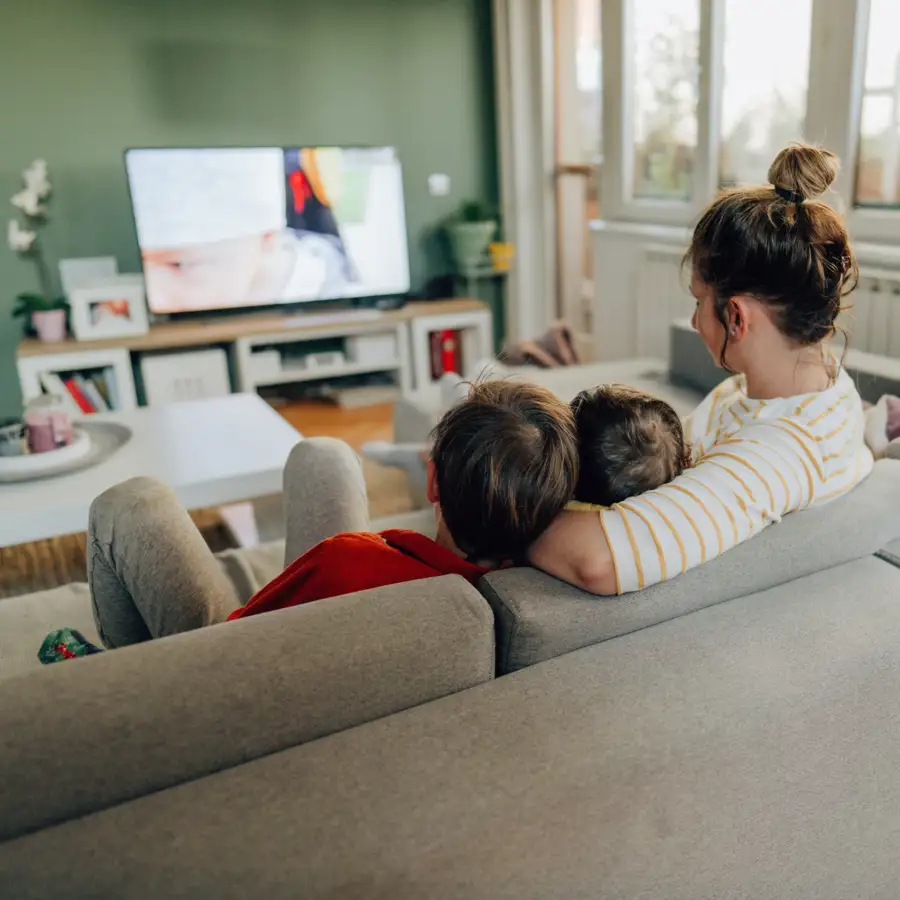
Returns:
(110, 309)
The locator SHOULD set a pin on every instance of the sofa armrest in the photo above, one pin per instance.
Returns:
(539, 617)
(89, 733)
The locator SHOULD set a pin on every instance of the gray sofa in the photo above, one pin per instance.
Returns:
(732, 733)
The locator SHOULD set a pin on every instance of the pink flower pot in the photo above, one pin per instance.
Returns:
(50, 325)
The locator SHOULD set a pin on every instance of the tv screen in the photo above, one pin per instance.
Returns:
(232, 228)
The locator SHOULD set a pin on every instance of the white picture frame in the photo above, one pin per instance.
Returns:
(111, 309)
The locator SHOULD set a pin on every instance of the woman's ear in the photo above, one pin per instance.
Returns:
(431, 484)
(738, 311)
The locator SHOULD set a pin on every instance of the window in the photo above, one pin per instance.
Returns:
(878, 162)
(702, 94)
(764, 85)
(665, 38)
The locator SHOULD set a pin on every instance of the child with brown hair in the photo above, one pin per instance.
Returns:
(628, 443)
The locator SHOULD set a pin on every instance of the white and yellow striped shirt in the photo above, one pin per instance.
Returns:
(754, 461)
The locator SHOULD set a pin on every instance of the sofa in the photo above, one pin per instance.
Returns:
(732, 733)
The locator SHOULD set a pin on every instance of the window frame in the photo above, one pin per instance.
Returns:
(617, 177)
(838, 42)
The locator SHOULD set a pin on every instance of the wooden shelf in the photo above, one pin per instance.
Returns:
(224, 329)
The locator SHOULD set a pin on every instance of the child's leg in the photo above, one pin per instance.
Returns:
(324, 494)
(150, 571)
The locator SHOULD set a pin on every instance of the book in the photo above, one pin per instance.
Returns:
(112, 387)
(89, 389)
(100, 383)
(451, 360)
(53, 384)
(82, 401)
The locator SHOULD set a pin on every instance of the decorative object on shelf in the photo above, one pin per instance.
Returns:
(84, 271)
(45, 312)
(109, 309)
(502, 254)
(470, 230)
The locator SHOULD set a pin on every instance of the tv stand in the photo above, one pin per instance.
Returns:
(343, 342)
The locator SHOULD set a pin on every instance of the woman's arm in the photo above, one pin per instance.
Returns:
(739, 488)
(574, 548)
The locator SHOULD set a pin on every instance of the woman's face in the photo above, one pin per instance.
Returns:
(704, 321)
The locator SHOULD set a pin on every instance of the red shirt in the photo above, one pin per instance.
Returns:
(355, 562)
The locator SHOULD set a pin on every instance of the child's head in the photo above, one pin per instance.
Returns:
(628, 443)
(503, 466)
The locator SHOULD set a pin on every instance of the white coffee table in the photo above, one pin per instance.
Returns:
(211, 452)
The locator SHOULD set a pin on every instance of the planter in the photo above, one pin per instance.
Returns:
(469, 242)
(50, 325)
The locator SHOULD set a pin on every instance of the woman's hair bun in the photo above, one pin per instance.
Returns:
(804, 169)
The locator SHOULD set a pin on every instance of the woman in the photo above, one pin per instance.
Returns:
(769, 268)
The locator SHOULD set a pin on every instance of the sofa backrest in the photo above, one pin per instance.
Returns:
(749, 750)
(84, 734)
(539, 617)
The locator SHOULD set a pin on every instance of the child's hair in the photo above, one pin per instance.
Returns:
(780, 245)
(506, 460)
(628, 443)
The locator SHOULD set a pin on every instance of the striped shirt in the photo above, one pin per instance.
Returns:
(754, 461)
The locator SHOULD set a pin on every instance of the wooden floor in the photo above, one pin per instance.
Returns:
(355, 426)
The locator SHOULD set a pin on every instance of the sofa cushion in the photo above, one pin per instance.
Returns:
(87, 733)
(751, 750)
(539, 617)
(25, 621)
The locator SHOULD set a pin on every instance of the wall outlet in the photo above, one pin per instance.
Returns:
(438, 184)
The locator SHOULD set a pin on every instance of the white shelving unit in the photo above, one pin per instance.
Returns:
(65, 364)
(251, 375)
(187, 358)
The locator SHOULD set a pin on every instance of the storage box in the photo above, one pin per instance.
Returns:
(170, 377)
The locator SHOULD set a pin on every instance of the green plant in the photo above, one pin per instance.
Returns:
(473, 211)
(29, 303)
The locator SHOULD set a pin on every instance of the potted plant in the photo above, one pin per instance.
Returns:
(470, 231)
(46, 312)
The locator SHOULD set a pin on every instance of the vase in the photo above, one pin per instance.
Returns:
(50, 325)
(469, 242)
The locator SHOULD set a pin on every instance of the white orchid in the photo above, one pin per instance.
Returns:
(29, 202)
(20, 240)
(36, 179)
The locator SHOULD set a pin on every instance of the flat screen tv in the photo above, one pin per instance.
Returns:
(232, 228)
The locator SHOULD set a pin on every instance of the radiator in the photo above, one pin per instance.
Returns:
(662, 296)
(872, 317)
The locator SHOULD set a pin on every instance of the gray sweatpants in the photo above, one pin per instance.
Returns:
(151, 573)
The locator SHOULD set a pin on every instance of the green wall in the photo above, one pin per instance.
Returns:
(84, 79)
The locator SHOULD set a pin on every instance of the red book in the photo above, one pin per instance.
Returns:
(450, 352)
(83, 403)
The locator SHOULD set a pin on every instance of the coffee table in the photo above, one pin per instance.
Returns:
(211, 452)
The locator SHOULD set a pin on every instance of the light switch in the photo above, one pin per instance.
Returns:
(438, 184)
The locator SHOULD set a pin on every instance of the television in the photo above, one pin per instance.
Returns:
(235, 228)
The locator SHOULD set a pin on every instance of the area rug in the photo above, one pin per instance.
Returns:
(41, 565)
